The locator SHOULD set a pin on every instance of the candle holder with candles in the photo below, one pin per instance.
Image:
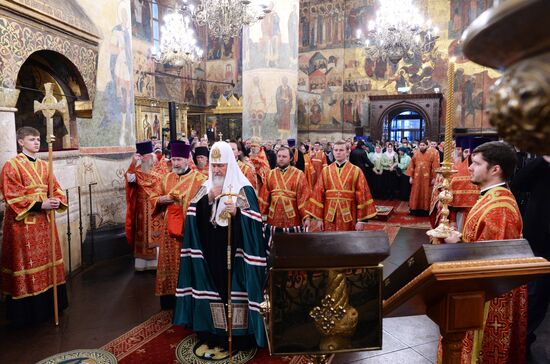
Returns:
(443, 230)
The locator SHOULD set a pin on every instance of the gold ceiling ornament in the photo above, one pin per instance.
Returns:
(230, 105)
(519, 106)
(513, 37)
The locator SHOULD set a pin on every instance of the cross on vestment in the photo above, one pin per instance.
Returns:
(49, 106)
(220, 135)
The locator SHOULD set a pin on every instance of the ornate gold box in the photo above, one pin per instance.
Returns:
(325, 292)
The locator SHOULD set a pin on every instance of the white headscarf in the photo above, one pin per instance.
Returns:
(221, 152)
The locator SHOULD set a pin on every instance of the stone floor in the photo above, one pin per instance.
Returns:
(109, 299)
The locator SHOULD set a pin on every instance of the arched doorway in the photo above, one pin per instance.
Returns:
(49, 66)
(384, 109)
(404, 123)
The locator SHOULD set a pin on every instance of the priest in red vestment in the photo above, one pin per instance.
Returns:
(170, 199)
(246, 167)
(143, 230)
(26, 268)
(258, 158)
(341, 199)
(422, 177)
(318, 160)
(495, 216)
(284, 196)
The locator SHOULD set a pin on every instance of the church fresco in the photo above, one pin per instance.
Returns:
(112, 123)
(362, 76)
(142, 14)
(270, 80)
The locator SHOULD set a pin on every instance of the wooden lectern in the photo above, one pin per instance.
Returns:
(453, 293)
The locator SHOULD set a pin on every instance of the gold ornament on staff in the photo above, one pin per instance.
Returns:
(49, 106)
(443, 230)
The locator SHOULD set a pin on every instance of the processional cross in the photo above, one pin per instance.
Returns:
(49, 106)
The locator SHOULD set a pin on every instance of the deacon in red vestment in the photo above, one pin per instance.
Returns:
(170, 199)
(258, 158)
(246, 167)
(284, 196)
(341, 199)
(318, 160)
(495, 216)
(26, 270)
(143, 230)
(422, 177)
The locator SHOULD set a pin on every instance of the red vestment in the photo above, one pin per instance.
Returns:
(143, 230)
(284, 196)
(422, 169)
(182, 189)
(341, 198)
(465, 194)
(309, 171)
(261, 166)
(318, 161)
(496, 216)
(249, 172)
(26, 245)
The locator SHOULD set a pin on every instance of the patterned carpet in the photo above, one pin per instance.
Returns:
(157, 340)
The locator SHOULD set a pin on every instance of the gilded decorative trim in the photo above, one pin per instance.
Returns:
(462, 266)
(20, 40)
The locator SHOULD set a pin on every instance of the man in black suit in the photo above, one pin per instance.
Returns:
(359, 157)
(534, 179)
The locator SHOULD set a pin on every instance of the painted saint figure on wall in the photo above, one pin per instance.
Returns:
(284, 107)
(258, 107)
(121, 69)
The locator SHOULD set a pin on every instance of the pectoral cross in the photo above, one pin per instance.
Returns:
(49, 106)
(220, 135)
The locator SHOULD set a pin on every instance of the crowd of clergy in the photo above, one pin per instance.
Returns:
(286, 186)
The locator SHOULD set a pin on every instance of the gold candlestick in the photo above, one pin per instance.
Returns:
(443, 230)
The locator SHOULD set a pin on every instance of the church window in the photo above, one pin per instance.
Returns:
(156, 31)
(407, 124)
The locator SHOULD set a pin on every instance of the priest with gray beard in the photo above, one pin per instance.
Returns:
(202, 293)
(141, 178)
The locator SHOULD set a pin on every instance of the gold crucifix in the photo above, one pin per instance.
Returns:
(49, 106)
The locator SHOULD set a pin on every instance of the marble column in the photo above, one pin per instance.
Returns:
(8, 142)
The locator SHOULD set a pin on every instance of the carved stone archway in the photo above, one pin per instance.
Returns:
(427, 105)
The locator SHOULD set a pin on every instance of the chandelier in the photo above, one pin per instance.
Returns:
(178, 45)
(226, 18)
(399, 31)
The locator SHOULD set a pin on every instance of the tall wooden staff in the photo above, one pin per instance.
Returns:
(49, 106)
(227, 216)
